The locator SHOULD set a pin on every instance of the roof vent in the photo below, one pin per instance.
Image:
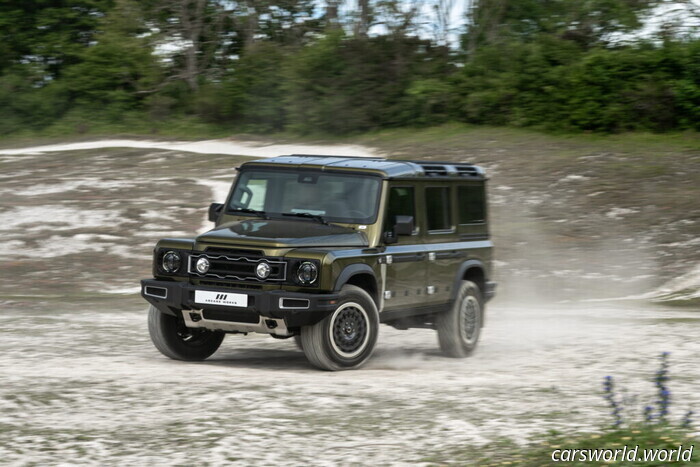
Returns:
(467, 171)
(435, 170)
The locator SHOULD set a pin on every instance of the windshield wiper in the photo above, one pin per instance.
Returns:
(250, 211)
(307, 216)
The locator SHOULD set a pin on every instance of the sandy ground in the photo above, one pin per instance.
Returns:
(82, 384)
(85, 385)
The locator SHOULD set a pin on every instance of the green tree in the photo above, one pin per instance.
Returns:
(50, 34)
(118, 71)
(587, 22)
(342, 85)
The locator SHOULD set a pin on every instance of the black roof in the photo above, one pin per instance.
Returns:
(387, 168)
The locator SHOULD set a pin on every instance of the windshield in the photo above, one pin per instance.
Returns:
(336, 197)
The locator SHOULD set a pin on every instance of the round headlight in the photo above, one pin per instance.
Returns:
(262, 270)
(202, 265)
(307, 273)
(171, 261)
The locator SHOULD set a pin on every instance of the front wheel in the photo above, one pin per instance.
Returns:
(459, 327)
(344, 339)
(175, 340)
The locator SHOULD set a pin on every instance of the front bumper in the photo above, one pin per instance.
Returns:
(294, 309)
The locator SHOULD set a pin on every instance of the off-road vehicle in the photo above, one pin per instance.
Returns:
(324, 249)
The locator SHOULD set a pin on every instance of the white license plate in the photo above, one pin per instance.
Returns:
(220, 298)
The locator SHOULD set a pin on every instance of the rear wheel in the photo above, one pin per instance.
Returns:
(175, 340)
(459, 328)
(344, 339)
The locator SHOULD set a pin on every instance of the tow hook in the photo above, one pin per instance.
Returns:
(270, 323)
(195, 317)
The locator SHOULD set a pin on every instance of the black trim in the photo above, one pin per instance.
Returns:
(474, 236)
(422, 178)
(403, 258)
(449, 254)
(396, 315)
(180, 296)
(353, 270)
(463, 268)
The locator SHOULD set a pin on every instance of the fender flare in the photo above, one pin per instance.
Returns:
(463, 268)
(353, 270)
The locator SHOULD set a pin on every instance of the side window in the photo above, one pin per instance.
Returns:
(471, 201)
(437, 208)
(402, 202)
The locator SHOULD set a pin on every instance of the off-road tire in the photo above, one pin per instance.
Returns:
(174, 340)
(458, 328)
(344, 339)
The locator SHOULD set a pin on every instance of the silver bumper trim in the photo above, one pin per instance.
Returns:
(262, 326)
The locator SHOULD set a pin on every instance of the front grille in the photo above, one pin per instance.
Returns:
(240, 268)
(235, 316)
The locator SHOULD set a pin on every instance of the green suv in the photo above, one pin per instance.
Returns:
(323, 249)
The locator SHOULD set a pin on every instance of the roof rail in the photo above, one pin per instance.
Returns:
(371, 158)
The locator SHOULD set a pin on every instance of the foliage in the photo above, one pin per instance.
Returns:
(557, 85)
(252, 91)
(658, 415)
(117, 72)
(341, 85)
(284, 66)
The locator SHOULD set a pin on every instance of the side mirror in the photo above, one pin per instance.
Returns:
(215, 211)
(404, 225)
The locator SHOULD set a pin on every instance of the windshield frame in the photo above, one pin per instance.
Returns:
(229, 210)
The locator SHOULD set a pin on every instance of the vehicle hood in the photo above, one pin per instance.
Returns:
(279, 233)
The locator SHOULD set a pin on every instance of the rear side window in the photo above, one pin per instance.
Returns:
(402, 202)
(471, 202)
(437, 208)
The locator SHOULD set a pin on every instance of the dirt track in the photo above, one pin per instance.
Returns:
(81, 382)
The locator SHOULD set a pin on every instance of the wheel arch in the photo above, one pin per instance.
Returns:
(471, 270)
(360, 275)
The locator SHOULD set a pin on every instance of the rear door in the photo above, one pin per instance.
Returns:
(441, 242)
